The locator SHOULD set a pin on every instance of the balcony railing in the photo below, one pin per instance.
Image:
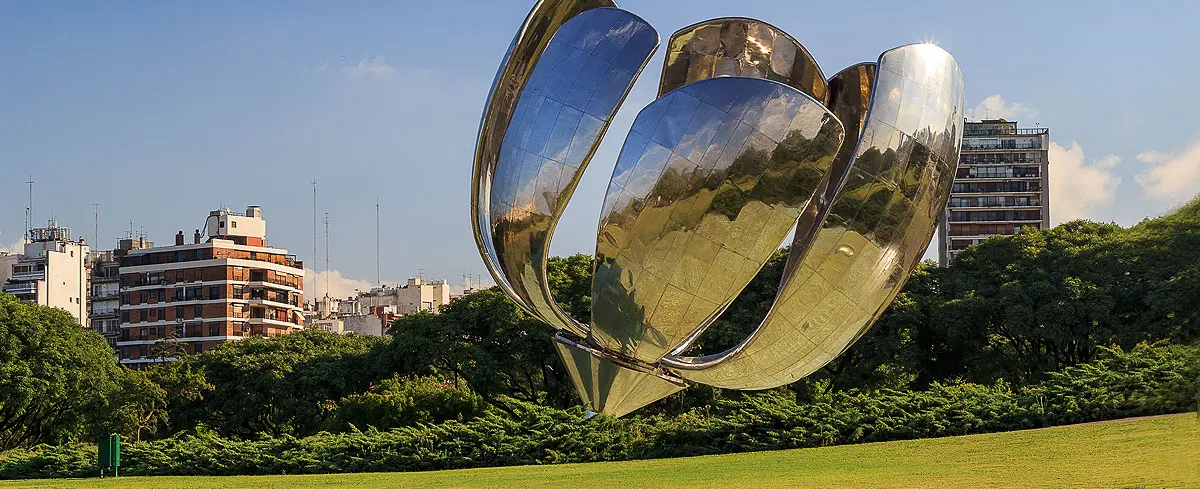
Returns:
(20, 289)
(1001, 146)
(1005, 131)
(38, 275)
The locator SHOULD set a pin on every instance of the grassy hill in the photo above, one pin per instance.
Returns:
(1144, 452)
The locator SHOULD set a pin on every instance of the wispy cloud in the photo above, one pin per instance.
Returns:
(1078, 186)
(1172, 176)
(368, 67)
(339, 286)
(377, 66)
(995, 107)
(17, 247)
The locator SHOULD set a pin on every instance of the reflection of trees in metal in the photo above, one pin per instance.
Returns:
(746, 142)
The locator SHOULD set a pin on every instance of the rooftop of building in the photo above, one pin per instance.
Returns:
(1000, 127)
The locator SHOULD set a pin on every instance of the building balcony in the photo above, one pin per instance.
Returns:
(997, 178)
(1031, 131)
(24, 288)
(38, 275)
(994, 207)
(1001, 147)
(1001, 221)
(273, 285)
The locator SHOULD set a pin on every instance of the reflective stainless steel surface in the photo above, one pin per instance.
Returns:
(564, 105)
(737, 46)
(877, 228)
(709, 182)
(610, 385)
(746, 142)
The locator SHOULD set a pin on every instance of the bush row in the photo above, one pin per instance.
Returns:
(1148, 380)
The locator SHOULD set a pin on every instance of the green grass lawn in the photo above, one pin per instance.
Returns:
(1146, 452)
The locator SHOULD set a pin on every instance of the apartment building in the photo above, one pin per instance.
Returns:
(191, 297)
(1002, 185)
(104, 302)
(416, 295)
(51, 271)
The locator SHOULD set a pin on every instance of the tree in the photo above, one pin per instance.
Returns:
(276, 385)
(485, 340)
(58, 381)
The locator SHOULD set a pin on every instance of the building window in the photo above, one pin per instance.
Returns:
(142, 316)
(178, 312)
(199, 310)
(214, 292)
(214, 330)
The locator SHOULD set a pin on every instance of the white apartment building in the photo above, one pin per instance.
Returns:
(416, 295)
(51, 271)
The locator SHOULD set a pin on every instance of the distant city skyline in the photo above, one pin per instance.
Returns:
(160, 112)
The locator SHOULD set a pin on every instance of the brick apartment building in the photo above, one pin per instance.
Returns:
(189, 298)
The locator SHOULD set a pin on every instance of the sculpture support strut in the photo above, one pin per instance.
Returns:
(746, 143)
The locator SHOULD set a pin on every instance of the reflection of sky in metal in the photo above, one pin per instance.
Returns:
(567, 103)
(710, 180)
(745, 143)
(878, 226)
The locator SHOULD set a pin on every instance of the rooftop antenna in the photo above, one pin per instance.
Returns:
(96, 231)
(377, 281)
(314, 255)
(29, 211)
(326, 254)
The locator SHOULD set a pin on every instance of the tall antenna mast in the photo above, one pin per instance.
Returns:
(326, 254)
(96, 231)
(377, 281)
(29, 212)
(314, 255)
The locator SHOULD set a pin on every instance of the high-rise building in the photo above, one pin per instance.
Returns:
(1001, 186)
(51, 271)
(104, 303)
(188, 298)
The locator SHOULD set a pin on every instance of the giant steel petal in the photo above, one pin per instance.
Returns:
(879, 223)
(711, 179)
(570, 66)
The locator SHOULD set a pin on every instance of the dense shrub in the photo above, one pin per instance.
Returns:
(1145, 381)
(398, 402)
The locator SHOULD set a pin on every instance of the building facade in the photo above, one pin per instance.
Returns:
(416, 295)
(188, 298)
(51, 271)
(1001, 187)
(104, 301)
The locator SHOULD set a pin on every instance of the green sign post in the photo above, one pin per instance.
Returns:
(109, 454)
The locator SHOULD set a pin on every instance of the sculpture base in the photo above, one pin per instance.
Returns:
(612, 386)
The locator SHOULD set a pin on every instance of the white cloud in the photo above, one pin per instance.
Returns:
(995, 107)
(18, 246)
(374, 66)
(339, 285)
(1171, 176)
(1078, 186)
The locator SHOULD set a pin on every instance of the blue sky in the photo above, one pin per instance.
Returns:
(161, 111)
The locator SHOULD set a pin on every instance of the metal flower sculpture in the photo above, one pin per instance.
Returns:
(748, 143)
